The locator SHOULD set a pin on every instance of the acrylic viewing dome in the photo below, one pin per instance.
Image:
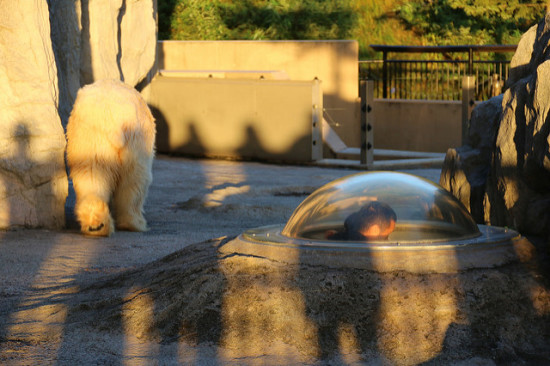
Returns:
(430, 231)
(425, 212)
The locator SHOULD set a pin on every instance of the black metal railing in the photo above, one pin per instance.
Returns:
(435, 79)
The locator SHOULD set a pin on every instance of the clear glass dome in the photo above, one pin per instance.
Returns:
(425, 212)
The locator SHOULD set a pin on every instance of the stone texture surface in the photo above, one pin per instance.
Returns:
(530, 53)
(33, 182)
(67, 299)
(512, 186)
(251, 307)
(101, 39)
(66, 40)
(49, 277)
(118, 40)
(465, 169)
(47, 51)
(518, 187)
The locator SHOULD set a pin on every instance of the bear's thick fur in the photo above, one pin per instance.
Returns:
(110, 151)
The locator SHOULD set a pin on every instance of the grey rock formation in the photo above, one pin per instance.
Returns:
(466, 168)
(518, 188)
(33, 182)
(530, 53)
(511, 187)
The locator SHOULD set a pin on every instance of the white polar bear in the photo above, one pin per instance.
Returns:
(110, 151)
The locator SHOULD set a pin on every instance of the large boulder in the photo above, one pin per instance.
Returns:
(518, 187)
(48, 50)
(66, 40)
(510, 186)
(530, 53)
(466, 168)
(101, 39)
(33, 182)
(118, 40)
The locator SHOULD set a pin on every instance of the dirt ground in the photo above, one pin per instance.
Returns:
(166, 297)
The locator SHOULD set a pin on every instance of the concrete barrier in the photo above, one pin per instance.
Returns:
(413, 125)
(417, 125)
(238, 118)
(334, 62)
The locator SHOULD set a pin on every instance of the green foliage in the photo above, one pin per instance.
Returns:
(378, 24)
(427, 22)
(261, 19)
(166, 14)
(197, 19)
(445, 22)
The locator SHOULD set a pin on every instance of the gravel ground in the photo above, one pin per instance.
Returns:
(43, 272)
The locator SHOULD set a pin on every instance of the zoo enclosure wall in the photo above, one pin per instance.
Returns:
(420, 88)
(399, 124)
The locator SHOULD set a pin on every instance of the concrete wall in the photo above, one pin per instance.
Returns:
(240, 118)
(332, 62)
(417, 125)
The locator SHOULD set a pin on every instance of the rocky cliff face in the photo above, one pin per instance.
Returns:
(33, 183)
(101, 39)
(503, 173)
(47, 51)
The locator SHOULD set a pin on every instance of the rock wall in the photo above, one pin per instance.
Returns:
(65, 30)
(48, 50)
(33, 182)
(101, 39)
(503, 176)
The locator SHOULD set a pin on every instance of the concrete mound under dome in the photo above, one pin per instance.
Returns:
(433, 231)
(212, 303)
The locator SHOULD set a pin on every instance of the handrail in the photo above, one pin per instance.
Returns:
(443, 49)
(386, 49)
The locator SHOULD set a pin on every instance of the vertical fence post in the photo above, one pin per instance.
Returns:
(470, 61)
(316, 121)
(385, 76)
(468, 103)
(366, 93)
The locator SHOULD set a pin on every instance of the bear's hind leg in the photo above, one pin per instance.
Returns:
(129, 198)
(94, 216)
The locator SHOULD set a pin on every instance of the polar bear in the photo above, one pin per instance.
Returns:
(110, 151)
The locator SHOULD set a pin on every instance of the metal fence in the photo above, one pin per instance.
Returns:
(435, 79)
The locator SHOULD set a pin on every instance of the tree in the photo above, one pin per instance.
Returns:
(471, 21)
(257, 19)
(405, 22)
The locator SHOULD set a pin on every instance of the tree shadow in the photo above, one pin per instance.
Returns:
(346, 312)
(503, 314)
(253, 148)
(29, 186)
(162, 138)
